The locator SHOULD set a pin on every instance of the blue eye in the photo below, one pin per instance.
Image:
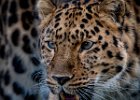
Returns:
(86, 45)
(51, 45)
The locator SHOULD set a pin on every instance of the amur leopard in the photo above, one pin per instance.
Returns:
(90, 49)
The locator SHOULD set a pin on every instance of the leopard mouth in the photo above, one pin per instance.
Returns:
(64, 96)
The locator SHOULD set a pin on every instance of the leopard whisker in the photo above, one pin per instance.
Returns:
(82, 94)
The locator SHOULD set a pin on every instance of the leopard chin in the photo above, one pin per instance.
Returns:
(65, 96)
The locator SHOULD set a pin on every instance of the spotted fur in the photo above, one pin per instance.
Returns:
(91, 48)
(20, 67)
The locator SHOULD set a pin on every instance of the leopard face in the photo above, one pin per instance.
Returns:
(83, 50)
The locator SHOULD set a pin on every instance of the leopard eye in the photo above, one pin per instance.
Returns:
(50, 44)
(86, 45)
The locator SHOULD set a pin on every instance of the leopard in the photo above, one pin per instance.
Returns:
(90, 49)
(20, 64)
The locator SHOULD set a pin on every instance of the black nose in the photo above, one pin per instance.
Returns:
(61, 80)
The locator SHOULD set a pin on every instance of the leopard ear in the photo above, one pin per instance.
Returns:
(46, 9)
(114, 8)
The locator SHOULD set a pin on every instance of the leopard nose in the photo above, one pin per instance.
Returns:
(61, 80)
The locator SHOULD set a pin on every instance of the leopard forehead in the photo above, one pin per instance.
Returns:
(77, 23)
(72, 25)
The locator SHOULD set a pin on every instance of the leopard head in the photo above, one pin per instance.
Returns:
(82, 46)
